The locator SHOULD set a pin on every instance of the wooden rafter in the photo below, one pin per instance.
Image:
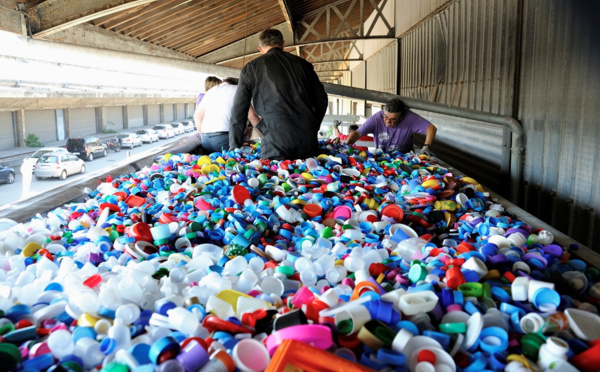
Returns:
(125, 20)
(285, 9)
(58, 15)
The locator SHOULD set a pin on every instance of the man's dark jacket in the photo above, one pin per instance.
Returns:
(287, 93)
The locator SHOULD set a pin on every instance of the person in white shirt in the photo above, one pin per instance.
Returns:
(213, 114)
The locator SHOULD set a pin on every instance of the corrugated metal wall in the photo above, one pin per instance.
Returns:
(358, 76)
(464, 56)
(358, 81)
(7, 140)
(168, 112)
(559, 110)
(114, 117)
(533, 60)
(82, 122)
(42, 123)
(136, 116)
(346, 80)
(381, 69)
(153, 114)
(410, 13)
(180, 111)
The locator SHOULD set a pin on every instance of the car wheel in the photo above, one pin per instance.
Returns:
(91, 156)
(10, 178)
(82, 170)
(38, 178)
(104, 153)
(63, 175)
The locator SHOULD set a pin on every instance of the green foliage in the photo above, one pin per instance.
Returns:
(108, 128)
(190, 117)
(33, 141)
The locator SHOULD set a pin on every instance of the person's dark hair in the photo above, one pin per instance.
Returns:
(231, 80)
(211, 81)
(395, 106)
(270, 38)
(352, 128)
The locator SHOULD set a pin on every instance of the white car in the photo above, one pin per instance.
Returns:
(129, 140)
(188, 125)
(58, 165)
(177, 128)
(147, 135)
(164, 131)
(30, 161)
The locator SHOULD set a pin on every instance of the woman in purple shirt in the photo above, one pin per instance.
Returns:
(393, 128)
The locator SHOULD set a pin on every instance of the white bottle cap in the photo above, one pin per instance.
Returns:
(250, 355)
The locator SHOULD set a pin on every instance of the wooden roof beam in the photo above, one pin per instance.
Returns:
(129, 19)
(204, 22)
(59, 15)
(287, 14)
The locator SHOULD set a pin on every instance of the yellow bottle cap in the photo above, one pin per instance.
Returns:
(30, 249)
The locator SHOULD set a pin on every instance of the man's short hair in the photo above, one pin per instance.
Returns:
(352, 128)
(270, 38)
(210, 82)
(231, 80)
(395, 106)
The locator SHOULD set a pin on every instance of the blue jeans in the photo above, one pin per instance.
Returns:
(215, 142)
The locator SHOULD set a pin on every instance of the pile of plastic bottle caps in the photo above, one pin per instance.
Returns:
(350, 261)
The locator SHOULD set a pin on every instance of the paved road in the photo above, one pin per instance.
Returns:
(12, 193)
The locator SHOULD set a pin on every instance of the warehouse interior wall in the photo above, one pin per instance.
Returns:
(534, 61)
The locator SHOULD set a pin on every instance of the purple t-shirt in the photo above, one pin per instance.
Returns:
(399, 138)
(200, 96)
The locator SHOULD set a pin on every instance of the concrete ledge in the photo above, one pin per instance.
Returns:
(24, 210)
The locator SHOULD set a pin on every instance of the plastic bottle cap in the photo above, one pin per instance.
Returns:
(313, 210)
(250, 355)
(240, 194)
(393, 211)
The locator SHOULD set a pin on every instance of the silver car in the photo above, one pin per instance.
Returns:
(177, 128)
(147, 135)
(58, 165)
(188, 125)
(164, 131)
(30, 161)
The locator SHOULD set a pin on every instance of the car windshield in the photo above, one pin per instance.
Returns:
(141, 132)
(50, 159)
(123, 136)
(39, 153)
(159, 127)
(174, 125)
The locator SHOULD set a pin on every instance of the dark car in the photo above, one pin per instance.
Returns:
(87, 147)
(7, 175)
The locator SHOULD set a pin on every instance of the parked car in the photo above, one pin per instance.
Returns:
(129, 140)
(58, 165)
(87, 147)
(7, 175)
(188, 125)
(30, 161)
(177, 128)
(147, 135)
(164, 131)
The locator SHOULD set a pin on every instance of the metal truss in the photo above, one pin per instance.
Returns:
(331, 22)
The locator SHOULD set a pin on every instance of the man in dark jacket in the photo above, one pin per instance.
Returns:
(286, 92)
